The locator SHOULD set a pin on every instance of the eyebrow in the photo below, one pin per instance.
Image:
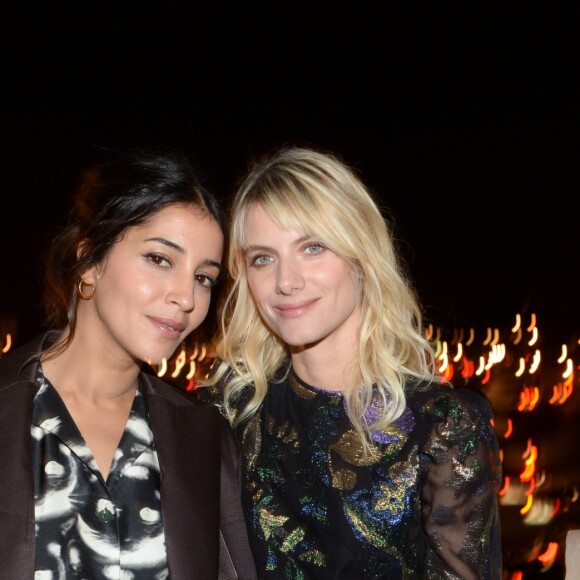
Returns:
(298, 241)
(213, 263)
(167, 243)
(178, 248)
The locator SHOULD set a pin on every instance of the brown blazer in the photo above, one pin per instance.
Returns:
(205, 532)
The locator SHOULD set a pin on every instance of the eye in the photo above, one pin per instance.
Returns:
(158, 259)
(314, 248)
(205, 281)
(260, 260)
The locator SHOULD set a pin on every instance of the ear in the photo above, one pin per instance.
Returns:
(92, 274)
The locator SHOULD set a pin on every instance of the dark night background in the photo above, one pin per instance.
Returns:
(461, 117)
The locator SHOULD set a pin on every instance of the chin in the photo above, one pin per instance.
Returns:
(157, 358)
(301, 342)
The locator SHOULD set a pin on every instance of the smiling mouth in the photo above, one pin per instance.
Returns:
(290, 311)
(168, 328)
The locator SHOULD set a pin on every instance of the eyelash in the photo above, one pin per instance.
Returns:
(318, 245)
(162, 261)
(256, 264)
(208, 283)
(254, 260)
(156, 259)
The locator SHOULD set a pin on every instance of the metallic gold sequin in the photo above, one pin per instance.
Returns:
(301, 390)
(393, 494)
(270, 522)
(315, 557)
(252, 441)
(350, 448)
(292, 539)
(285, 431)
(344, 479)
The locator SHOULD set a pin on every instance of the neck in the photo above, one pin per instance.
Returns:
(83, 369)
(325, 372)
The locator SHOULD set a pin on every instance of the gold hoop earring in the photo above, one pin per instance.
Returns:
(83, 296)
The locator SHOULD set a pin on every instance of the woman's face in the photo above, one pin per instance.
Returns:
(154, 286)
(306, 294)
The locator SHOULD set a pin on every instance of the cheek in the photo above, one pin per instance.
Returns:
(129, 285)
(138, 289)
(197, 316)
(143, 288)
(256, 288)
(202, 303)
(344, 283)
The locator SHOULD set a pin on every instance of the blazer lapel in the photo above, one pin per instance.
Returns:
(17, 533)
(187, 439)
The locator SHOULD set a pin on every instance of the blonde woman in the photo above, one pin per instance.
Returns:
(359, 462)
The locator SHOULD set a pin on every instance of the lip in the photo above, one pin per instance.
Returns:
(168, 327)
(294, 310)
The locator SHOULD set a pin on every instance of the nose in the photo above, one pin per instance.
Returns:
(289, 279)
(182, 292)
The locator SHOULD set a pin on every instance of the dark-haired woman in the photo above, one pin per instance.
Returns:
(107, 472)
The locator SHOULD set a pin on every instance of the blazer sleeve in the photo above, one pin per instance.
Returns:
(234, 544)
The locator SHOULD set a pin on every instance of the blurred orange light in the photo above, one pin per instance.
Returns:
(505, 487)
(549, 556)
(8, 344)
(532, 487)
(509, 430)
(528, 505)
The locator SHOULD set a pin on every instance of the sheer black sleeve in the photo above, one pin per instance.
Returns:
(461, 478)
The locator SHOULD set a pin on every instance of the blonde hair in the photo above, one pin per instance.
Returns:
(317, 193)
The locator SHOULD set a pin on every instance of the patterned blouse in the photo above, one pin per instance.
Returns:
(85, 527)
(423, 506)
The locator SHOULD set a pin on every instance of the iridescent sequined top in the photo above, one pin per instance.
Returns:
(423, 506)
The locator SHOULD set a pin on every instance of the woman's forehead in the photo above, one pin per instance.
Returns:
(284, 216)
